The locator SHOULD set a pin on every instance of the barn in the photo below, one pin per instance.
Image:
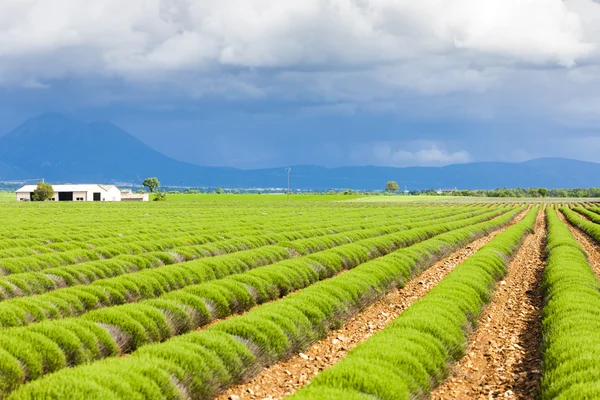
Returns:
(75, 193)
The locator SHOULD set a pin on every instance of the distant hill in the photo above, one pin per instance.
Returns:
(61, 149)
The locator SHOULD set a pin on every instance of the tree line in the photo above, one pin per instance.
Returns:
(392, 187)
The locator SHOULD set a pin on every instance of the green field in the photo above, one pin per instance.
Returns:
(259, 197)
(183, 299)
(7, 196)
(461, 199)
(403, 199)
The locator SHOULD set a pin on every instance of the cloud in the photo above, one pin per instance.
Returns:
(155, 39)
(470, 72)
(401, 155)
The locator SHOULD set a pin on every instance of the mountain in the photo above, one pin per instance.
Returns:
(61, 149)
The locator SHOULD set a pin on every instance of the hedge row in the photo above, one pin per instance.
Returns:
(18, 285)
(593, 207)
(588, 227)
(120, 224)
(412, 354)
(177, 312)
(592, 216)
(205, 243)
(202, 363)
(570, 318)
(151, 283)
(66, 232)
(191, 247)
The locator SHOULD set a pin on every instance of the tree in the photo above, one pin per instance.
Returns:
(391, 186)
(543, 192)
(43, 192)
(160, 197)
(219, 191)
(152, 184)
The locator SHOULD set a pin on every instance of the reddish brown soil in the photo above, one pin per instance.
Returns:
(285, 378)
(503, 359)
(588, 244)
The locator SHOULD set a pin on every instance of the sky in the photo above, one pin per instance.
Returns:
(265, 83)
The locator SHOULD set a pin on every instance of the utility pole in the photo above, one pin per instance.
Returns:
(288, 170)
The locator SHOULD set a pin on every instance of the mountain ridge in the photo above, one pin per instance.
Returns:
(63, 149)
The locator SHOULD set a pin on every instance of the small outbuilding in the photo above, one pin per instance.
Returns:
(128, 195)
(446, 191)
(93, 192)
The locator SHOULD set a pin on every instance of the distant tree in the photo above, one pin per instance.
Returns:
(238, 191)
(543, 192)
(462, 193)
(43, 192)
(558, 193)
(219, 191)
(152, 184)
(391, 186)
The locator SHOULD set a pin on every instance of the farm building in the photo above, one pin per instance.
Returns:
(128, 195)
(446, 191)
(75, 193)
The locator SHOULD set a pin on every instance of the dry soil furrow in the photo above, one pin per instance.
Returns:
(589, 245)
(503, 359)
(285, 378)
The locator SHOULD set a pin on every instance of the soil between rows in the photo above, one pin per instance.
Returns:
(503, 359)
(287, 377)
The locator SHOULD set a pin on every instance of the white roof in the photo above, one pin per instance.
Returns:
(70, 188)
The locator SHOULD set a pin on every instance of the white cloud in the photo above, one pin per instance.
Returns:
(404, 154)
(153, 36)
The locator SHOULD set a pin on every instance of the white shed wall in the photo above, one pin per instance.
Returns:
(113, 194)
(23, 196)
(79, 195)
